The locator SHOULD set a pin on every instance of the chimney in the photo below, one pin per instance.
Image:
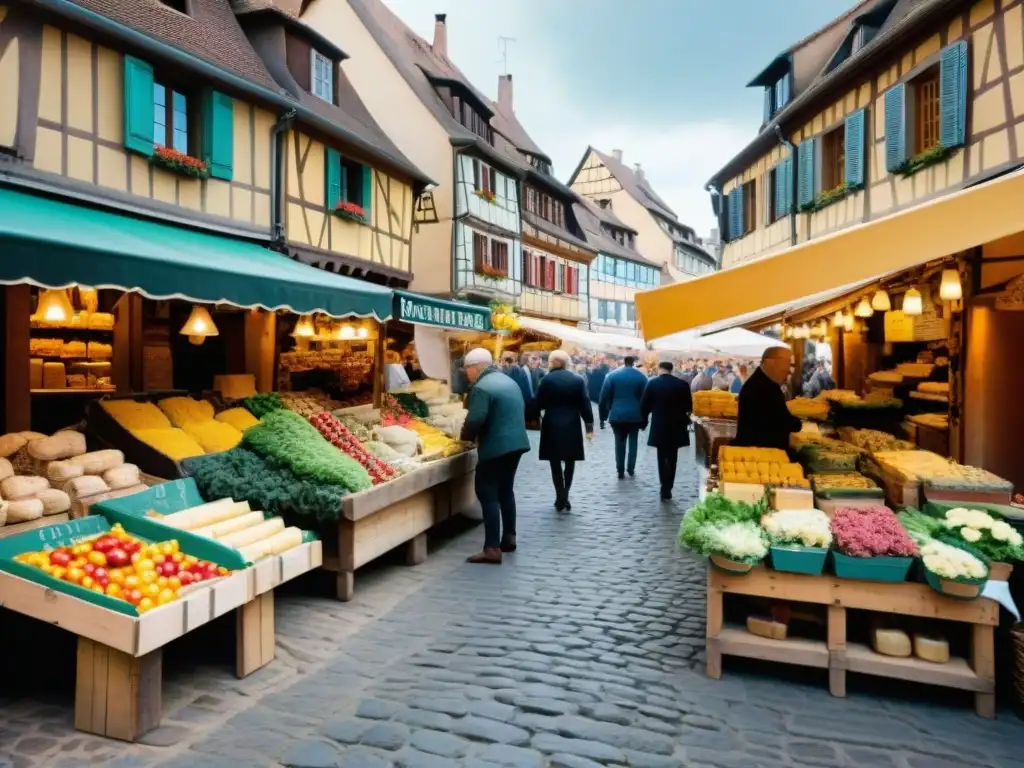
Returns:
(617, 154)
(505, 92)
(440, 45)
(638, 171)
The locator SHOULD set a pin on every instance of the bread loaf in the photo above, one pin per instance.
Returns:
(23, 510)
(62, 445)
(59, 472)
(11, 443)
(6, 469)
(22, 487)
(98, 462)
(86, 485)
(54, 502)
(123, 476)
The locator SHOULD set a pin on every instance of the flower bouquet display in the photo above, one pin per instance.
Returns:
(870, 544)
(799, 539)
(727, 532)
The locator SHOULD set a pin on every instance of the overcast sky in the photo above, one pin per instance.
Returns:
(663, 80)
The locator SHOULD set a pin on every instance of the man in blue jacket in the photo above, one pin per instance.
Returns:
(621, 396)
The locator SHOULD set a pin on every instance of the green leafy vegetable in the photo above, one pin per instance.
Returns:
(729, 528)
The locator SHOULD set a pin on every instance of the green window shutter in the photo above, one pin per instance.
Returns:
(805, 171)
(332, 178)
(219, 133)
(138, 106)
(953, 95)
(855, 149)
(895, 127)
(368, 193)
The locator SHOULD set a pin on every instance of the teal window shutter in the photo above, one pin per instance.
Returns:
(738, 210)
(787, 193)
(138, 106)
(368, 193)
(805, 171)
(218, 133)
(855, 149)
(780, 190)
(332, 178)
(733, 209)
(895, 127)
(953, 95)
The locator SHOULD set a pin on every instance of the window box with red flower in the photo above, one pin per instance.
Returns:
(350, 211)
(486, 194)
(178, 162)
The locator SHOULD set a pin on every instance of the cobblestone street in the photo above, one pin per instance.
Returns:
(585, 648)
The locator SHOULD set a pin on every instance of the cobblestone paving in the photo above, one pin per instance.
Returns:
(584, 649)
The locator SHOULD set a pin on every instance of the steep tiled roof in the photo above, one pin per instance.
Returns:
(639, 188)
(211, 33)
(421, 67)
(606, 215)
(288, 11)
(898, 27)
(587, 214)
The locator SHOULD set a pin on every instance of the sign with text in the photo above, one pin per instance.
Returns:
(422, 310)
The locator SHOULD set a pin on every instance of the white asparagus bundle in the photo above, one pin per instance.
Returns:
(205, 514)
(247, 536)
(231, 525)
(274, 545)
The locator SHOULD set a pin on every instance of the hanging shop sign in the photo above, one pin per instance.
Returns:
(423, 310)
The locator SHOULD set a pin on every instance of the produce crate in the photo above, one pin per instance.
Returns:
(965, 496)
(106, 432)
(809, 560)
(890, 569)
(830, 505)
(962, 589)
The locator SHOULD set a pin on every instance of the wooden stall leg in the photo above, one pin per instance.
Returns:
(983, 662)
(255, 638)
(117, 695)
(416, 550)
(714, 628)
(346, 585)
(837, 650)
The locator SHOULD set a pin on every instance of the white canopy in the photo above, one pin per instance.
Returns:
(739, 342)
(599, 342)
(684, 344)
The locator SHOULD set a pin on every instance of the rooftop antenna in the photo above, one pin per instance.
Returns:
(503, 45)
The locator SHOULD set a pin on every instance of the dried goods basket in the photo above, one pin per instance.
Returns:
(798, 559)
(890, 569)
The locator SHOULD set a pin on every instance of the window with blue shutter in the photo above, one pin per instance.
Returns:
(219, 134)
(736, 213)
(953, 95)
(332, 178)
(855, 149)
(805, 173)
(368, 193)
(895, 127)
(138, 106)
(787, 186)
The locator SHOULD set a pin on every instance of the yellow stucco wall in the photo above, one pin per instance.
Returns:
(9, 68)
(385, 240)
(995, 127)
(553, 305)
(79, 142)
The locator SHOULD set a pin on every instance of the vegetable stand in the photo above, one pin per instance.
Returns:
(398, 512)
(118, 685)
(976, 674)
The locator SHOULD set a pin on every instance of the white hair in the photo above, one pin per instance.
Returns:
(478, 356)
(561, 357)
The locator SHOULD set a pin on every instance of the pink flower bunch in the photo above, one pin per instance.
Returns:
(870, 532)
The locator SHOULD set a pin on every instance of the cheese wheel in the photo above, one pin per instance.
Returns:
(247, 536)
(230, 526)
(273, 545)
(931, 648)
(202, 515)
(764, 626)
(891, 642)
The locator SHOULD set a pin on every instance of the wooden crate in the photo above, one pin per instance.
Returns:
(976, 674)
(31, 525)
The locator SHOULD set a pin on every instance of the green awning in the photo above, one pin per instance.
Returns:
(55, 244)
(426, 310)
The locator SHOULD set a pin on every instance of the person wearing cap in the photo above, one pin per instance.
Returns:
(496, 422)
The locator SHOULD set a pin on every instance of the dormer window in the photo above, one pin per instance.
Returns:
(540, 164)
(181, 6)
(322, 76)
(776, 96)
(864, 35)
(471, 118)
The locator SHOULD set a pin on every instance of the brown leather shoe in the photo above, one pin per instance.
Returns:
(490, 556)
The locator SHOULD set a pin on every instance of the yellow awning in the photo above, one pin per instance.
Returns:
(940, 227)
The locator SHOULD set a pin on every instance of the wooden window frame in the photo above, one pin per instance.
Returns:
(193, 143)
(925, 111)
(771, 196)
(352, 182)
(832, 166)
(328, 63)
(749, 206)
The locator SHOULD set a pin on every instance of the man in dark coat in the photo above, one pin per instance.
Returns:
(519, 376)
(668, 404)
(620, 406)
(764, 420)
(562, 399)
(596, 380)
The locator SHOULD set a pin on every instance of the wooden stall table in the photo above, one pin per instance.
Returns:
(976, 674)
(709, 436)
(396, 513)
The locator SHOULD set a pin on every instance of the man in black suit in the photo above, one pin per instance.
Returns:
(764, 420)
(668, 404)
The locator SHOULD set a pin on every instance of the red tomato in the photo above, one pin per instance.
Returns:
(60, 557)
(104, 543)
(168, 568)
(133, 596)
(185, 578)
(89, 569)
(100, 574)
(118, 558)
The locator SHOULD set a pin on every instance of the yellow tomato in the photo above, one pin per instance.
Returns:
(97, 558)
(222, 571)
(145, 565)
(114, 590)
(148, 577)
(145, 604)
(161, 581)
(75, 575)
(80, 550)
(171, 547)
(131, 582)
(59, 573)
(165, 596)
(46, 568)
(191, 559)
(152, 590)
(159, 558)
(98, 589)
(177, 557)
(117, 576)
(78, 562)
(88, 582)
(174, 583)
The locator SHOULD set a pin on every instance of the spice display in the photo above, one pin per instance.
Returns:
(715, 404)
(295, 443)
(871, 532)
(411, 404)
(842, 481)
(239, 418)
(266, 484)
(354, 425)
(182, 410)
(171, 441)
(805, 408)
(800, 527)
(306, 406)
(341, 438)
(874, 441)
(134, 416)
